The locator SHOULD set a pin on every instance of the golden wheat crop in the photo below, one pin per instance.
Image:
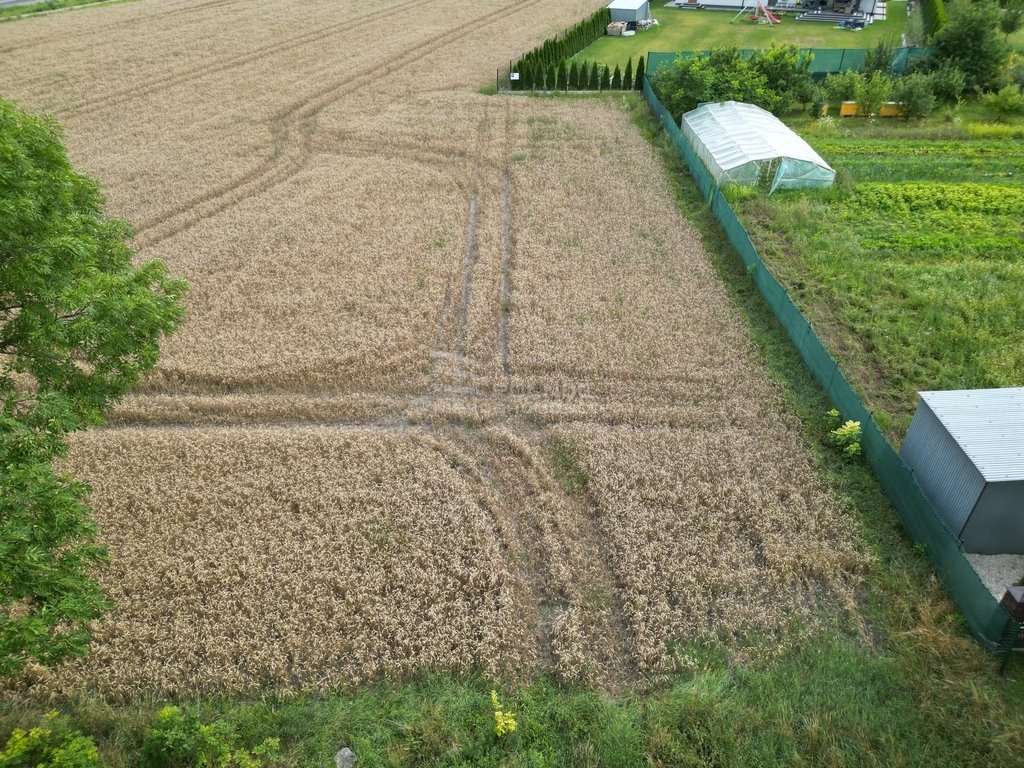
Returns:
(458, 386)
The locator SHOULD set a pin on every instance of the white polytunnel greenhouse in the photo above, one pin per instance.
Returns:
(744, 144)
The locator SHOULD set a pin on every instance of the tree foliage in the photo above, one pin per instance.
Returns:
(1012, 18)
(915, 95)
(933, 12)
(771, 79)
(79, 326)
(971, 42)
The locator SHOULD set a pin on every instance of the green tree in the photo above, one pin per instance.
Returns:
(616, 84)
(605, 79)
(879, 58)
(640, 69)
(627, 75)
(786, 71)
(971, 42)
(1008, 101)
(871, 93)
(722, 75)
(933, 12)
(914, 94)
(574, 77)
(1012, 18)
(79, 326)
(595, 78)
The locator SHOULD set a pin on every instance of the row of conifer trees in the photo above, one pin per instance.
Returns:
(558, 49)
(580, 76)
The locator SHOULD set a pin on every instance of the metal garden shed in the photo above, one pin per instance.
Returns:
(966, 448)
(630, 10)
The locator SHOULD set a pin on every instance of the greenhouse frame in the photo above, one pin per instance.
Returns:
(743, 144)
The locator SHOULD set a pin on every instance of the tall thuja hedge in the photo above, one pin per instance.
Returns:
(554, 51)
(933, 12)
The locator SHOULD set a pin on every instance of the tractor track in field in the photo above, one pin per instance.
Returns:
(290, 153)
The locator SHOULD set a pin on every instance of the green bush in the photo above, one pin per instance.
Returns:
(879, 58)
(182, 740)
(914, 94)
(50, 745)
(871, 93)
(721, 75)
(787, 73)
(948, 83)
(934, 14)
(1007, 101)
(842, 86)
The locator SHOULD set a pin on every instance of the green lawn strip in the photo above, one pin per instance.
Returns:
(15, 12)
(903, 684)
(686, 30)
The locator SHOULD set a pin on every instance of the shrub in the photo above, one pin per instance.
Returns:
(879, 58)
(842, 86)
(1012, 18)
(722, 75)
(50, 745)
(948, 83)
(1007, 101)
(846, 436)
(933, 12)
(786, 72)
(180, 740)
(915, 95)
(871, 93)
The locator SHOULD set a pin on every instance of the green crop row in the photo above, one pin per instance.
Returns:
(918, 197)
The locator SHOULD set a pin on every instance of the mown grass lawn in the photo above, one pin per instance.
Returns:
(686, 30)
(912, 267)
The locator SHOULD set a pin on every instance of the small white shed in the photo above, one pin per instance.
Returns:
(630, 10)
(966, 448)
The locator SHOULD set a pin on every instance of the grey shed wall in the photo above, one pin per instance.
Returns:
(997, 524)
(946, 475)
(966, 448)
(644, 12)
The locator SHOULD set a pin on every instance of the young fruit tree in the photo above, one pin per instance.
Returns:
(80, 324)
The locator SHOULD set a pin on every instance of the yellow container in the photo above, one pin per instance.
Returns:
(889, 109)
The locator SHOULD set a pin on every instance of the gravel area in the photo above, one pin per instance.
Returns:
(998, 571)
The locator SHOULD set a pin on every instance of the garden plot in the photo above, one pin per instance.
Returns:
(458, 387)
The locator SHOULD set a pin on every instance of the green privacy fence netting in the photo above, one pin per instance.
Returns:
(987, 620)
(824, 61)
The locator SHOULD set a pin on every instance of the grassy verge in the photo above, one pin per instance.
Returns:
(911, 268)
(902, 685)
(684, 30)
(14, 12)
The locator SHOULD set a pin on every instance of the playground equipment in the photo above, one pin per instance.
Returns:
(757, 11)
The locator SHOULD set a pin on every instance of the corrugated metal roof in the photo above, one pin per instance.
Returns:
(988, 424)
(736, 133)
(627, 5)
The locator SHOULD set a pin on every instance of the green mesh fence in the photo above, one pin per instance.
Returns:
(824, 61)
(988, 621)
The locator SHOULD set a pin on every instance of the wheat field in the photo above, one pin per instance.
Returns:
(458, 389)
